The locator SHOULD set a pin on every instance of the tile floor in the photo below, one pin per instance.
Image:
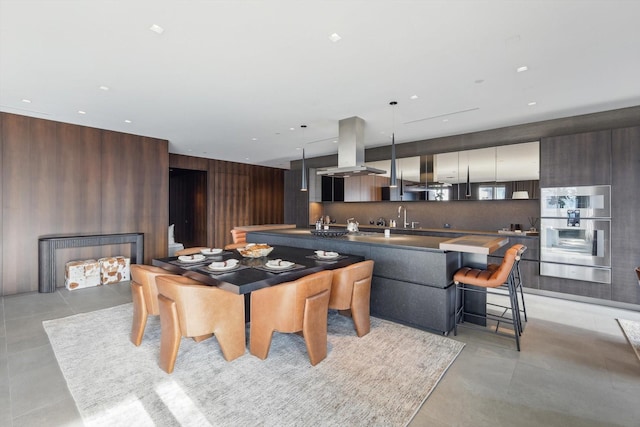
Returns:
(575, 367)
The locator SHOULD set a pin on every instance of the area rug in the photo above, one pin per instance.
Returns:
(380, 379)
(631, 330)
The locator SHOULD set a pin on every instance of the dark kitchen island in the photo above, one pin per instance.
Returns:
(412, 278)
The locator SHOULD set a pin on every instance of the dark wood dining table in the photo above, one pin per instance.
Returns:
(251, 273)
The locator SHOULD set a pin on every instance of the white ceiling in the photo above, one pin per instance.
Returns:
(226, 72)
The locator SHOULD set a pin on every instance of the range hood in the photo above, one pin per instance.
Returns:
(351, 151)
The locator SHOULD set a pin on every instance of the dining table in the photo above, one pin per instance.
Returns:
(252, 274)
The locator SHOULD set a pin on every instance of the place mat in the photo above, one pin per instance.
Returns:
(190, 265)
(216, 255)
(205, 270)
(263, 268)
(317, 258)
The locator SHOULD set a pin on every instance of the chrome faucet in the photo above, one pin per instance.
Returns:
(405, 223)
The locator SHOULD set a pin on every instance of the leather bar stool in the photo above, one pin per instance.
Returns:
(488, 280)
(516, 276)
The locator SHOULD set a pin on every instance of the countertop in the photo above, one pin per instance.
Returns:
(485, 244)
(420, 230)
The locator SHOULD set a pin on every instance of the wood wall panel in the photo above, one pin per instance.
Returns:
(238, 194)
(188, 162)
(52, 183)
(625, 221)
(135, 189)
(231, 205)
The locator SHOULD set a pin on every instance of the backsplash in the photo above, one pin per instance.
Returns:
(462, 215)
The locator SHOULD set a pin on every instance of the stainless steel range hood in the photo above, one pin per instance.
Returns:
(351, 151)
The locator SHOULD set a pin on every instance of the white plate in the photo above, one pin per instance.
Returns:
(327, 255)
(224, 265)
(211, 251)
(278, 264)
(191, 258)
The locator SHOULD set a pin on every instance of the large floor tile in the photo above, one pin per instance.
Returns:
(24, 333)
(35, 380)
(33, 303)
(61, 413)
(91, 299)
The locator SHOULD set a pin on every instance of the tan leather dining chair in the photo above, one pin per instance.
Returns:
(351, 294)
(190, 309)
(144, 294)
(298, 306)
(239, 239)
(190, 251)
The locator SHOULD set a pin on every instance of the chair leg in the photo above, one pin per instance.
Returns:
(314, 326)
(140, 314)
(260, 333)
(360, 306)
(231, 333)
(524, 307)
(515, 313)
(170, 335)
(202, 337)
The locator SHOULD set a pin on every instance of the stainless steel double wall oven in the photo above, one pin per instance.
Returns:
(575, 233)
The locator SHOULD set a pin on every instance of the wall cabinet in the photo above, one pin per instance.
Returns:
(367, 188)
(625, 205)
(332, 189)
(581, 159)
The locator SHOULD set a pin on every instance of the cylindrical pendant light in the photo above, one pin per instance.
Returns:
(393, 182)
(303, 186)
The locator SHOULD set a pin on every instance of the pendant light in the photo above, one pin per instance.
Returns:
(303, 186)
(393, 182)
(468, 193)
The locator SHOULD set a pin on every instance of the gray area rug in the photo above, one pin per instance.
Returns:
(632, 331)
(380, 379)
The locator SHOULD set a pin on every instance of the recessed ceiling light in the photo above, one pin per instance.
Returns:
(521, 69)
(292, 128)
(254, 139)
(104, 88)
(81, 112)
(28, 101)
(335, 37)
(156, 29)
(127, 121)
(532, 103)
(445, 120)
(413, 97)
(335, 142)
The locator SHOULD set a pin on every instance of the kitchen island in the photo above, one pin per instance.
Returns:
(412, 277)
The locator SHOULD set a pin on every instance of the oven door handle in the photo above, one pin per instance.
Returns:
(598, 243)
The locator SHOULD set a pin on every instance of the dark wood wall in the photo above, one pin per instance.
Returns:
(238, 194)
(59, 178)
(62, 179)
